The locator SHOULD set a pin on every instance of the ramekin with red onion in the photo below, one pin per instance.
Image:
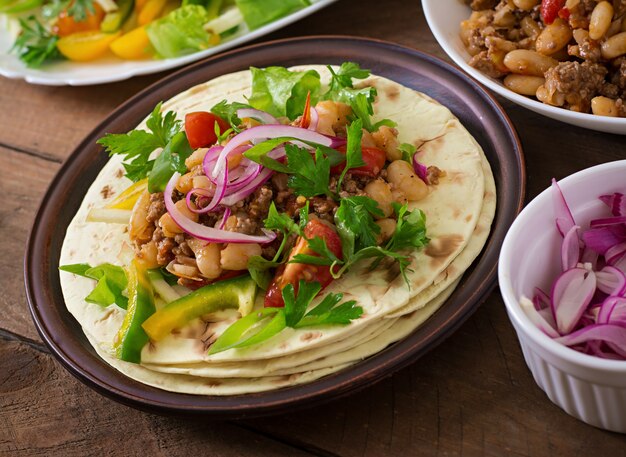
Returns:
(565, 299)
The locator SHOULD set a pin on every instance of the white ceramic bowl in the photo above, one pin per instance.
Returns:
(589, 388)
(444, 18)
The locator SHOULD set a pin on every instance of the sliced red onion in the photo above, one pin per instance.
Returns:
(602, 238)
(616, 203)
(611, 281)
(261, 116)
(537, 318)
(208, 233)
(615, 253)
(315, 118)
(571, 294)
(612, 308)
(607, 221)
(208, 163)
(225, 217)
(269, 131)
(420, 169)
(614, 334)
(564, 218)
(541, 300)
(263, 176)
(570, 249)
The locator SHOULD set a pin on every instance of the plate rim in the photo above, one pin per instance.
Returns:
(587, 120)
(44, 78)
(328, 388)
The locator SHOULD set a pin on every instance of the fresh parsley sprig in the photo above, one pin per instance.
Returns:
(35, 45)
(258, 266)
(228, 111)
(259, 326)
(137, 146)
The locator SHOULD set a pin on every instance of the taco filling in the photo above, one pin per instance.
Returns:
(274, 222)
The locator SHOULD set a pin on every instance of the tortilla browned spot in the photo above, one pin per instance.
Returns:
(392, 92)
(119, 173)
(309, 336)
(106, 191)
(444, 245)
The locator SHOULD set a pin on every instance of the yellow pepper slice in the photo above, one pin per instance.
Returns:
(128, 198)
(150, 11)
(133, 45)
(85, 46)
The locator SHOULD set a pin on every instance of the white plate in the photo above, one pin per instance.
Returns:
(444, 19)
(112, 69)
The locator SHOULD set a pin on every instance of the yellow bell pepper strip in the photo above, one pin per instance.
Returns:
(113, 21)
(236, 293)
(85, 46)
(130, 195)
(131, 337)
(151, 10)
(133, 45)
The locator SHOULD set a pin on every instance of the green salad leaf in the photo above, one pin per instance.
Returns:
(111, 281)
(260, 12)
(35, 45)
(180, 32)
(407, 150)
(282, 92)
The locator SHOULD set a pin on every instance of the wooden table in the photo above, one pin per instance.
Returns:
(473, 395)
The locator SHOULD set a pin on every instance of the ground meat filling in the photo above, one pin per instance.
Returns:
(573, 85)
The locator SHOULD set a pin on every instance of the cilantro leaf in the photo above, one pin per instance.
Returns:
(410, 229)
(163, 128)
(296, 307)
(259, 154)
(138, 145)
(111, 282)
(407, 150)
(280, 221)
(326, 313)
(170, 161)
(228, 112)
(342, 78)
(35, 45)
(259, 269)
(309, 177)
(355, 214)
(363, 109)
(354, 156)
(282, 92)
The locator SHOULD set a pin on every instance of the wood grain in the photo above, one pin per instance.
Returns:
(472, 396)
(24, 180)
(44, 411)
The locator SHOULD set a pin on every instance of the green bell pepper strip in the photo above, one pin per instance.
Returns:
(231, 338)
(131, 337)
(236, 293)
(19, 6)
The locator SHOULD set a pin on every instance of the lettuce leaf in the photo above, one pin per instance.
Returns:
(260, 12)
(281, 92)
(180, 32)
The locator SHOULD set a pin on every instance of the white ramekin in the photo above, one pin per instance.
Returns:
(589, 388)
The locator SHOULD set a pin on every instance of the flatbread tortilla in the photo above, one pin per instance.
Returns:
(459, 213)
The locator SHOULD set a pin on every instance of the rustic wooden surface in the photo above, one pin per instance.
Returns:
(471, 396)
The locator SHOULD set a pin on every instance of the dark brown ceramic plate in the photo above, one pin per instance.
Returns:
(476, 109)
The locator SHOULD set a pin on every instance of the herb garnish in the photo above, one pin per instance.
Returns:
(262, 325)
(35, 44)
(407, 150)
(111, 282)
(138, 145)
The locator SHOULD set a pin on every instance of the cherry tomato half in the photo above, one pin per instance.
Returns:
(67, 25)
(374, 160)
(292, 273)
(200, 128)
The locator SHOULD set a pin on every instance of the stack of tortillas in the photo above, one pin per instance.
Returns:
(459, 212)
